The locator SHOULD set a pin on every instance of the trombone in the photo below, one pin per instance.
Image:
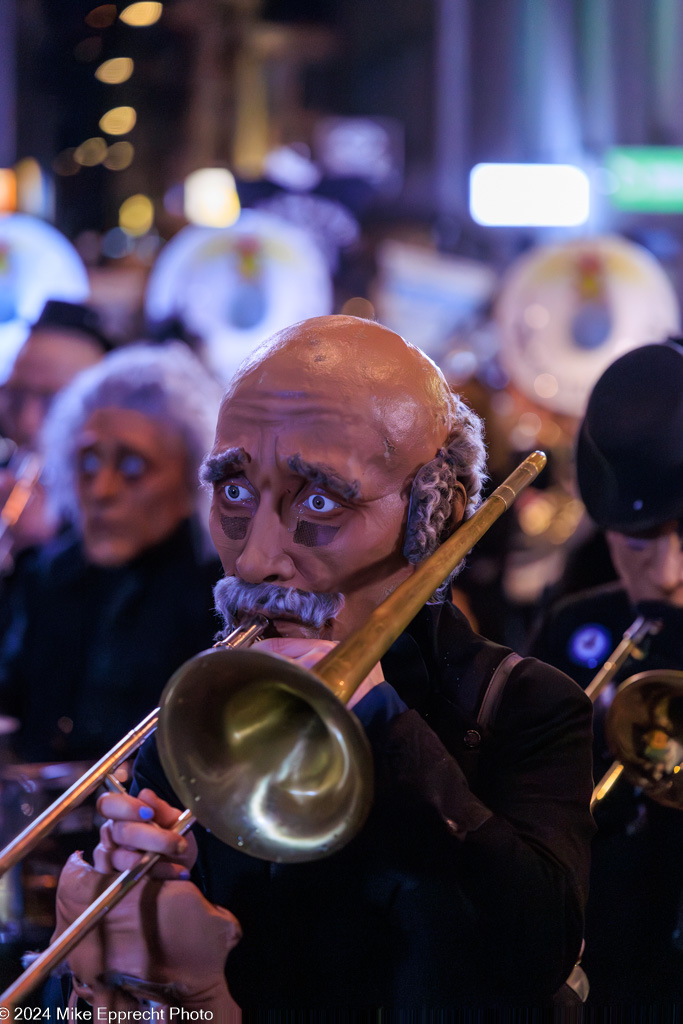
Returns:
(630, 646)
(27, 475)
(644, 730)
(261, 753)
(102, 772)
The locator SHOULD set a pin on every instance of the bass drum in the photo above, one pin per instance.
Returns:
(565, 312)
(236, 286)
(27, 891)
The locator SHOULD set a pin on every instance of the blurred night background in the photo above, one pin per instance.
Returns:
(500, 181)
(355, 128)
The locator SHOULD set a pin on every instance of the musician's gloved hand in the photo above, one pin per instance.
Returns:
(142, 823)
(307, 652)
(165, 933)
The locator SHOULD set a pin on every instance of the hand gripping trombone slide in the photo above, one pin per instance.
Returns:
(262, 752)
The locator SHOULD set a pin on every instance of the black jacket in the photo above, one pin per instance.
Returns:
(636, 874)
(449, 896)
(89, 650)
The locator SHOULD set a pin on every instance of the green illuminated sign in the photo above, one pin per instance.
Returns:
(647, 179)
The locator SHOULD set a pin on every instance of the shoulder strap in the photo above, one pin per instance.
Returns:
(494, 691)
(479, 729)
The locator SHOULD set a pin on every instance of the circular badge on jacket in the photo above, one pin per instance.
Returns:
(588, 645)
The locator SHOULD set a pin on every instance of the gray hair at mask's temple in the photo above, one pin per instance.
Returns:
(166, 383)
(462, 459)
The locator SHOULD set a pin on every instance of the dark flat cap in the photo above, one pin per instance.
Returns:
(629, 457)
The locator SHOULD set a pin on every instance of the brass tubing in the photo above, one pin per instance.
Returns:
(41, 967)
(629, 646)
(99, 773)
(605, 784)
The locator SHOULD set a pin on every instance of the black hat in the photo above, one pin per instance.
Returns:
(71, 316)
(629, 458)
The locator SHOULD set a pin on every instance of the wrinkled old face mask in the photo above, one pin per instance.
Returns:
(132, 484)
(311, 479)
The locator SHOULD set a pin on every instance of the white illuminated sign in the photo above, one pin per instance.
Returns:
(529, 195)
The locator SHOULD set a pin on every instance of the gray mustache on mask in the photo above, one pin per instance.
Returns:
(234, 599)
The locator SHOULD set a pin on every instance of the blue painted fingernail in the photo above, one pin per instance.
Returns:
(146, 813)
(184, 875)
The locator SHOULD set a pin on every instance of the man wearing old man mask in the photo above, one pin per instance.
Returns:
(341, 461)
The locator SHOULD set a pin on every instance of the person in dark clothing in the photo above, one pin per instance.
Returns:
(105, 612)
(66, 339)
(341, 461)
(91, 647)
(630, 474)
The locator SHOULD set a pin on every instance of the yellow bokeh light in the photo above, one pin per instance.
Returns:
(141, 14)
(32, 192)
(136, 215)
(119, 156)
(115, 71)
(210, 198)
(535, 517)
(118, 120)
(91, 152)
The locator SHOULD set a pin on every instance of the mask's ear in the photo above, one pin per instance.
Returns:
(437, 505)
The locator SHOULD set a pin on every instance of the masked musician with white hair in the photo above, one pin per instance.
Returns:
(111, 606)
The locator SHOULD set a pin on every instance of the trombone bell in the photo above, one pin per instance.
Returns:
(264, 755)
(644, 729)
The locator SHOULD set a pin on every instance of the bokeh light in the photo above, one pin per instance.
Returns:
(118, 120)
(358, 306)
(136, 215)
(8, 190)
(141, 14)
(119, 156)
(34, 195)
(546, 385)
(210, 198)
(91, 152)
(115, 71)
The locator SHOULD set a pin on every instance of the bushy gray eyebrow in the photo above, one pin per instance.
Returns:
(216, 466)
(323, 476)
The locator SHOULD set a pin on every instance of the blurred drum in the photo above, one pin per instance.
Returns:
(565, 312)
(27, 891)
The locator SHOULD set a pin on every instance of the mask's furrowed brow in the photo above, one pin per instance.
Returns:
(217, 466)
(323, 476)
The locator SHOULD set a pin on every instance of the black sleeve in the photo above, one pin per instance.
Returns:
(521, 853)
